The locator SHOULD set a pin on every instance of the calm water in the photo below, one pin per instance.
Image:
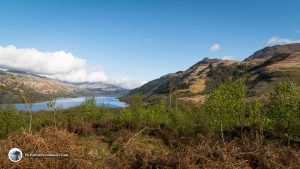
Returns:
(64, 103)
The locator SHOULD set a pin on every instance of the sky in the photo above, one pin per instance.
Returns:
(129, 43)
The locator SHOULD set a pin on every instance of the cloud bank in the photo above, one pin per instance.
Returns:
(59, 65)
(126, 82)
(276, 40)
(215, 47)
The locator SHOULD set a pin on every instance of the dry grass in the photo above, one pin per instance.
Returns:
(46, 141)
(238, 155)
(194, 99)
(290, 63)
(147, 152)
(144, 151)
(198, 86)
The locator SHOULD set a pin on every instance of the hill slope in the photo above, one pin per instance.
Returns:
(103, 89)
(263, 70)
(43, 88)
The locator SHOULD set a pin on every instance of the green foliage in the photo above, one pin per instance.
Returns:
(256, 116)
(284, 106)
(226, 104)
(257, 119)
(13, 121)
(13, 88)
(10, 122)
(132, 114)
(181, 121)
(224, 110)
(284, 103)
(90, 102)
(157, 115)
(154, 116)
(51, 104)
(88, 109)
(136, 102)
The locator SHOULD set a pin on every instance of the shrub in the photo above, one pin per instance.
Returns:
(284, 106)
(225, 104)
(10, 122)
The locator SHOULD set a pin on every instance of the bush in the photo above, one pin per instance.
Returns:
(225, 105)
(91, 102)
(284, 106)
(10, 122)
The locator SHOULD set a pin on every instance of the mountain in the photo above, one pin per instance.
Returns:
(268, 52)
(263, 70)
(103, 89)
(43, 88)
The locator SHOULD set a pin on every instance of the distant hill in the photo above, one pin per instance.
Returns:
(43, 88)
(263, 70)
(103, 89)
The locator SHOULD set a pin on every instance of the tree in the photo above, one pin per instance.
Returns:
(88, 108)
(90, 102)
(26, 97)
(284, 106)
(257, 119)
(172, 88)
(51, 107)
(225, 104)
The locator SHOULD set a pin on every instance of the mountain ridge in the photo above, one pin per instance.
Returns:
(267, 52)
(263, 70)
(43, 88)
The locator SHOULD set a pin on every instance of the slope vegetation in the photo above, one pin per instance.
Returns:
(263, 70)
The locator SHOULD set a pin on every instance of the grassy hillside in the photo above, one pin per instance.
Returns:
(39, 88)
(44, 89)
(263, 70)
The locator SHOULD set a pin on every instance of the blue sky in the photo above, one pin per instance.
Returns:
(143, 40)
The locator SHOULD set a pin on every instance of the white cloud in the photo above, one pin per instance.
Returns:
(215, 47)
(34, 61)
(276, 40)
(59, 65)
(82, 75)
(228, 57)
(126, 82)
